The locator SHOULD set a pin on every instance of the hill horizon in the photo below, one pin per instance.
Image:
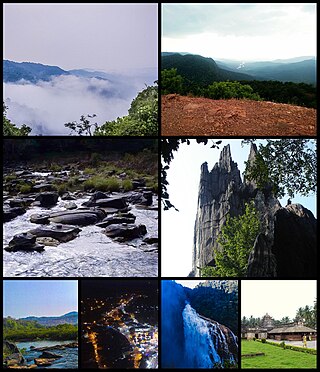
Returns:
(70, 313)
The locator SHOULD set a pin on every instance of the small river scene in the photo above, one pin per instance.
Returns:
(87, 218)
(55, 354)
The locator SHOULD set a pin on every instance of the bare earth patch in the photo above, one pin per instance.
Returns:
(187, 116)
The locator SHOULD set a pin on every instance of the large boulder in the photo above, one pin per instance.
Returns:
(11, 213)
(80, 219)
(125, 232)
(63, 233)
(117, 202)
(47, 199)
(24, 242)
(96, 196)
(44, 362)
(40, 218)
(15, 359)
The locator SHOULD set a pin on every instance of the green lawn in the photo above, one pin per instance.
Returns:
(275, 357)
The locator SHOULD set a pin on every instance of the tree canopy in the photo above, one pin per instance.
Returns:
(236, 238)
(10, 129)
(289, 165)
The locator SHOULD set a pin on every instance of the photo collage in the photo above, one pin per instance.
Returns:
(159, 186)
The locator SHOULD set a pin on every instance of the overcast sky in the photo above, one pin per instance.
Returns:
(177, 228)
(278, 298)
(97, 36)
(240, 31)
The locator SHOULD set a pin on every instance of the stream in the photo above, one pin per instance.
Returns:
(69, 355)
(91, 254)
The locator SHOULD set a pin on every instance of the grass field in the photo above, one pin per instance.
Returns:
(275, 357)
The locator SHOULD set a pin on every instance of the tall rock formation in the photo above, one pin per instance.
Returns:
(278, 250)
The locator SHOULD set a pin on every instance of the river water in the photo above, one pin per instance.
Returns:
(69, 355)
(91, 254)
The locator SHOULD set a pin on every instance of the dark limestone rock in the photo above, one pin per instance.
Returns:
(295, 242)
(63, 233)
(11, 213)
(144, 198)
(117, 202)
(24, 242)
(262, 262)
(20, 202)
(287, 243)
(93, 199)
(10, 347)
(151, 240)
(80, 219)
(126, 232)
(47, 199)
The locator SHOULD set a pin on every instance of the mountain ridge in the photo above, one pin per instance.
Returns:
(69, 318)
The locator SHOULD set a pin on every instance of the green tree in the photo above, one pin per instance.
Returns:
(83, 127)
(142, 119)
(236, 238)
(10, 129)
(289, 165)
(171, 82)
(231, 89)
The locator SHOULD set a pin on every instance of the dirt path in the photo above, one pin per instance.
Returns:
(187, 116)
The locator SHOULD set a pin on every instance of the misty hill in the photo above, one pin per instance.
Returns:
(296, 70)
(29, 71)
(48, 321)
(34, 72)
(198, 69)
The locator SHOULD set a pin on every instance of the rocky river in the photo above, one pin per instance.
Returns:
(91, 234)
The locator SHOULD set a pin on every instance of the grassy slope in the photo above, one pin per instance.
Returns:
(275, 357)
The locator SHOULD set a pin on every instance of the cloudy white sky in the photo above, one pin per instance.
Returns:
(177, 228)
(243, 32)
(278, 298)
(82, 35)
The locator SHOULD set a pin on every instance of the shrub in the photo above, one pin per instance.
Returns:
(55, 167)
(61, 189)
(25, 189)
(102, 184)
(282, 344)
(263, 340)
(127, 185)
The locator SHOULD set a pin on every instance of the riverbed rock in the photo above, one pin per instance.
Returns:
(70, 205)
(68, 196)
(125, 232)
(15, 359)
(96, 196)
(63, 233)
(44, 362)
(112, 220)
(40, 218)
(24, 242)
(151, 240)
(49, 354)
(23, 202)
(48, 198)
(10, 347)
(117, 202)
(43, 187)
(144, 198)
(47, 241)
(11, 213)
(80, 219)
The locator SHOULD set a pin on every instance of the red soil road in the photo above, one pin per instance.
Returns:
(188, 116)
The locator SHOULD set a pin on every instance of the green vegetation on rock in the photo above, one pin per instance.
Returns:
(236, 240)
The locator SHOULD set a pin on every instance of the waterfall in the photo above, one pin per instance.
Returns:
(207, 343)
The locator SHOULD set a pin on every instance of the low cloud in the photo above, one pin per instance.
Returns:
(47, 106)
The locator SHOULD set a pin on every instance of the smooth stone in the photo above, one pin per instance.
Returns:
(151, 240)
(47, 199)
(125, 232)
(11, 213)
(40, 218)
(44, 362)
(115, 220)
(63, 233)
(70, 206)
(81, 219)
(68, 196)
(96, 196)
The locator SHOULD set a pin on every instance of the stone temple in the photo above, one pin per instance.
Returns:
(286, 245)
